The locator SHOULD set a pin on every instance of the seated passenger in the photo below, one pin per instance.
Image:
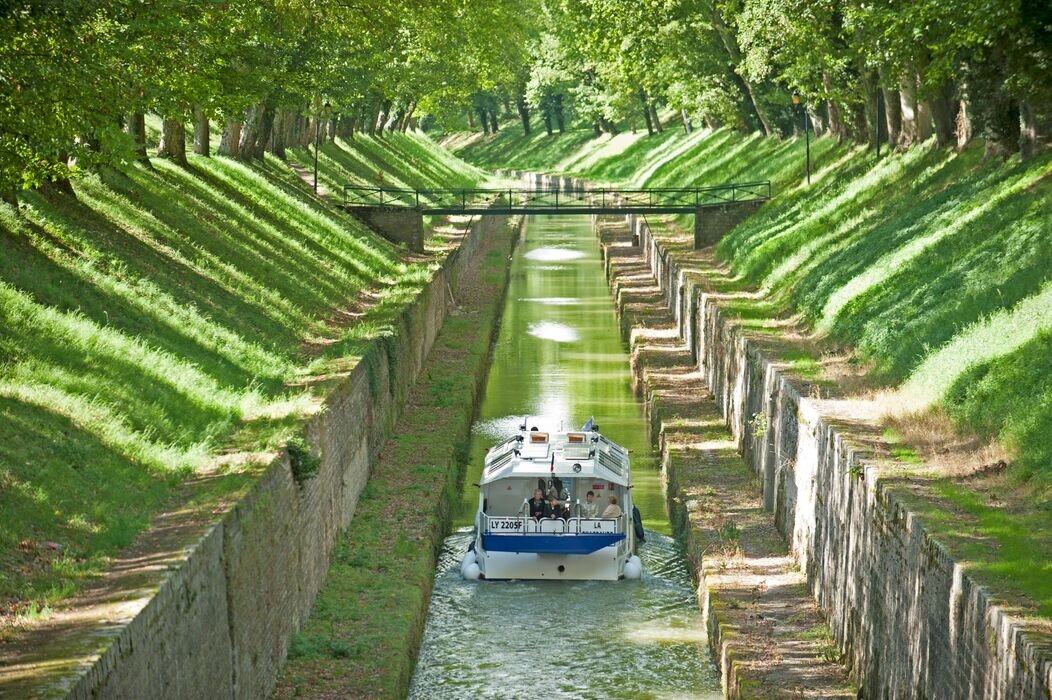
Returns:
(538, 506)
(589, 509)
(613, 510)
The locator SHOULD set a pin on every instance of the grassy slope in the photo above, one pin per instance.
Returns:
(364, 630)
(157, 320)
(936, 267)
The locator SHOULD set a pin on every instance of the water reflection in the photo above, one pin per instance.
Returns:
(551, 330)
(560, 354)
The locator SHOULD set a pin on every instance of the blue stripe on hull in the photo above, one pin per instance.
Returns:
(550, 544)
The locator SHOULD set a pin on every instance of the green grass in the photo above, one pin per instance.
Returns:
(373, 606)
(159, 318)
(933, 266)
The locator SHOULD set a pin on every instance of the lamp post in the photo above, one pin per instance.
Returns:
(327, 111)
(807, 131)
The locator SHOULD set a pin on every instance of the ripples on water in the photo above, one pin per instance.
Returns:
(565, 639)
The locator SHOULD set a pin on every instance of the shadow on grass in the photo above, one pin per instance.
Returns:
(72, 489)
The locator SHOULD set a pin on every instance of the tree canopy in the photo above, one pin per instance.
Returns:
(78, 75)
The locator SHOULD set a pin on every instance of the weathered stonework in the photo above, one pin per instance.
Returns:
(210, 613)
(909, 620)
(712, 223)
(396, 224)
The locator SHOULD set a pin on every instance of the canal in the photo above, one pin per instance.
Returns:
(559, 354)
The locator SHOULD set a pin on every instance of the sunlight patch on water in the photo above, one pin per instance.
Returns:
(660, 632)
(554, 254)
(554, 331)
(553, 301)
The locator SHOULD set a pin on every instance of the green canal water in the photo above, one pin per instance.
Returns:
(559, 354)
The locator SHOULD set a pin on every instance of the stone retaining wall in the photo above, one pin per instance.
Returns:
(218, 624)
(910, 621)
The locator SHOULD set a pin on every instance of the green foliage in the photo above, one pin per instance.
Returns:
(1011, 397)
(934, 265)
(160, 318)
(302, 460)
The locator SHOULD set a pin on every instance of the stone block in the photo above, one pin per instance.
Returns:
(402, 225)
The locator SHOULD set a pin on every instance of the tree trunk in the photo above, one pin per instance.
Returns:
(1028, 132)
(686, 121)
(547, 121)
(230, 142)
(201, 133)
(646, 111)
(656, 118)
(493, 120)
(597, 128)
(963, 124)
(560, 118)
(256, 131)
(524, 113)
(868, 126)
(892, 115)
(483, 120)
(471, 119)
(943, 114)
(385, 112)
(408, 119)
(374, 117)
(173, 141)
(730, 43)
(137, 129)
(837, 128)
(923, 120)
(280, 133)
(909, 133)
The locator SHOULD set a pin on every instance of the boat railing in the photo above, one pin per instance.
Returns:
(525, 525)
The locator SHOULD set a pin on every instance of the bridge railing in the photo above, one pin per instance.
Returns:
(554, 199)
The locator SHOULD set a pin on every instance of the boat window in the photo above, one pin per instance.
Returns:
(575, 437)
(536, 438)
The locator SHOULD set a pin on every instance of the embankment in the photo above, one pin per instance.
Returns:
(206, 605)
(907, 617)
(364, 631)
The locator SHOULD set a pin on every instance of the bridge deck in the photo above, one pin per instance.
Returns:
(555, 201)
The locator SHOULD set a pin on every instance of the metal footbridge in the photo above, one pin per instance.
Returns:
(476, 201)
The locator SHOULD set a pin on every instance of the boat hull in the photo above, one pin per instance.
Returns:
(604, 564)
(550, 544)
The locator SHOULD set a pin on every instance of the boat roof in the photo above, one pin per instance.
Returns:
(540, 453)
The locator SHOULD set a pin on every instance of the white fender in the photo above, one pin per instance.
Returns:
(472, 571)
(634, 567)
(467, 562)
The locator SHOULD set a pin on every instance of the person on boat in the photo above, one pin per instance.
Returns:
(613, 510)
(556, 510)
(556, 489)
(589, 509)
(538, 506)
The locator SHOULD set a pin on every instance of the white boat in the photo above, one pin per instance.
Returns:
(516, 541)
